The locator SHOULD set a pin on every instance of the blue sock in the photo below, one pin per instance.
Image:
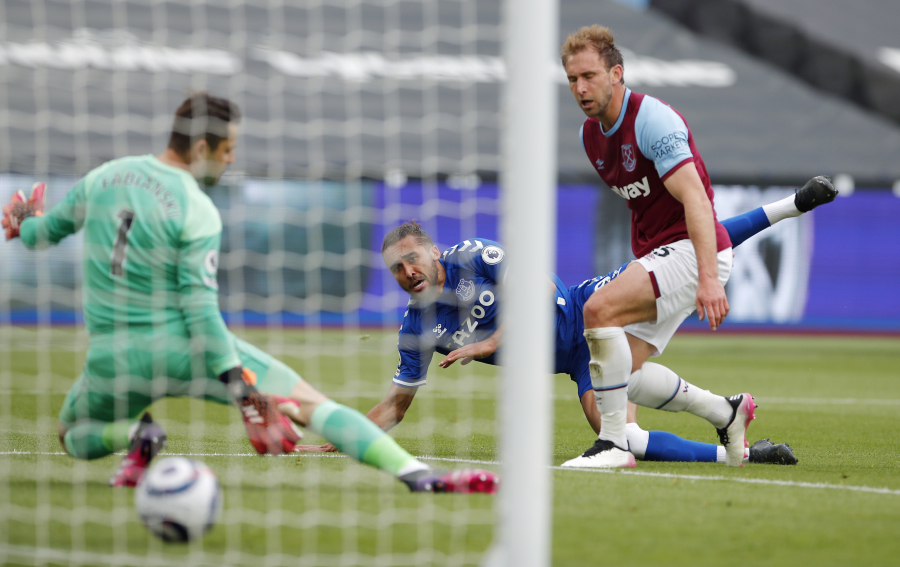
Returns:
(742, 227)
(664, 446)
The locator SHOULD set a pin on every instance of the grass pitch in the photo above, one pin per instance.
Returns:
(835, 399)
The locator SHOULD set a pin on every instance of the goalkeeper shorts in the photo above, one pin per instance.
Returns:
(121, 380)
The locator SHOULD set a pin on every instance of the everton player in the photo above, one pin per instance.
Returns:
(453, 310)
(644, 151)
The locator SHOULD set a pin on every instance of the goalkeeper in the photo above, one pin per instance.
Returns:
(151, 249)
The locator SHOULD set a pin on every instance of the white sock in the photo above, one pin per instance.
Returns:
(780, 210)
(132, 429)
(656, 386)
(720, 454)
(413, 467)
(638, 439)
(653, 386)
(610, 369)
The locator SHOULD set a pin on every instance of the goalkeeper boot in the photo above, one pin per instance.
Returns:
(465, 481)
(766, 452)
(734, 435)
(817, 191)
(147, 442)
(604, 454)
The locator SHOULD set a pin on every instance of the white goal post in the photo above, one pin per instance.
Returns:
(528, 229)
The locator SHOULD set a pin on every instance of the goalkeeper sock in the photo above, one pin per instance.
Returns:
(95, 439)
(355, 435)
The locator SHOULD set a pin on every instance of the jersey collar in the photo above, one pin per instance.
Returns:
(618, 123)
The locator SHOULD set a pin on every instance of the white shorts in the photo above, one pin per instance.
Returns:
(675, 277)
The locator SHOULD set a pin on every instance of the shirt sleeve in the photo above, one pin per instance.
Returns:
(65, 218)
(483, 257)
(662, 136)
(198, 263)
(415, 355)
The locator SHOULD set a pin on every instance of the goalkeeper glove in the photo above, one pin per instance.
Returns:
(19, 209)
(269, 430)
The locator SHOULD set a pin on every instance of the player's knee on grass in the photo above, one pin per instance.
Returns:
(85, 440)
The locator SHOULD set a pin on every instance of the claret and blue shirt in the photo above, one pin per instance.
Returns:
(647, 144)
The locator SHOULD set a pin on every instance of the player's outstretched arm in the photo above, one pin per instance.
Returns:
(20, 209)
(392, 409)
(386, 414)
(474, 351)
(39, 229)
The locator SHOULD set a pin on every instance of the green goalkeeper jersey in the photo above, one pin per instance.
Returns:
(151, 249)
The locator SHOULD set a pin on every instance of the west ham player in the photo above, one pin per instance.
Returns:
(645, 152)
(453, 307)
(151, 308)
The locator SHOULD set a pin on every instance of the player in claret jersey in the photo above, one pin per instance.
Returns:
(151, 246)
(645, 152)
(453, 310)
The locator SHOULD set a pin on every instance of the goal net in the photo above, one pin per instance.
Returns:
(357, 116)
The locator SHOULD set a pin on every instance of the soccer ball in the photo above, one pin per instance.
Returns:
(178, 499)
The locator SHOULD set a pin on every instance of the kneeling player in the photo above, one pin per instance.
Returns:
(151, 308)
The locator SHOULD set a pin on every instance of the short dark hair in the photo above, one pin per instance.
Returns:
(409, 228)
(202, 116)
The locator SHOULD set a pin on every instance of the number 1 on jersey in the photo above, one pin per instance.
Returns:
(126, 217)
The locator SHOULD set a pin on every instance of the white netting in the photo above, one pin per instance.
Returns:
(357, 116)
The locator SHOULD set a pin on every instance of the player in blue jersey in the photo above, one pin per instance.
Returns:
(453, 310)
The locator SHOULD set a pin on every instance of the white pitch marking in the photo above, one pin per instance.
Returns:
(799, 484)
(81, 557)
(762, 481)
(488, 395)
(829, 401)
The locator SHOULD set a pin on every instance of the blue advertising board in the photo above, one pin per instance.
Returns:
(298, 253)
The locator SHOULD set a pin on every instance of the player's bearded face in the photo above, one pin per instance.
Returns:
(416, 268)
(591, 82)
(211, 164)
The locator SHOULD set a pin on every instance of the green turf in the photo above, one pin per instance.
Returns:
(835, 399)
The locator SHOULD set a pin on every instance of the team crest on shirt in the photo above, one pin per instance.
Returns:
(466, 289)
(629, 159)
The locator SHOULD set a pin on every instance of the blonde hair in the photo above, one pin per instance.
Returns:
(593, 37)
